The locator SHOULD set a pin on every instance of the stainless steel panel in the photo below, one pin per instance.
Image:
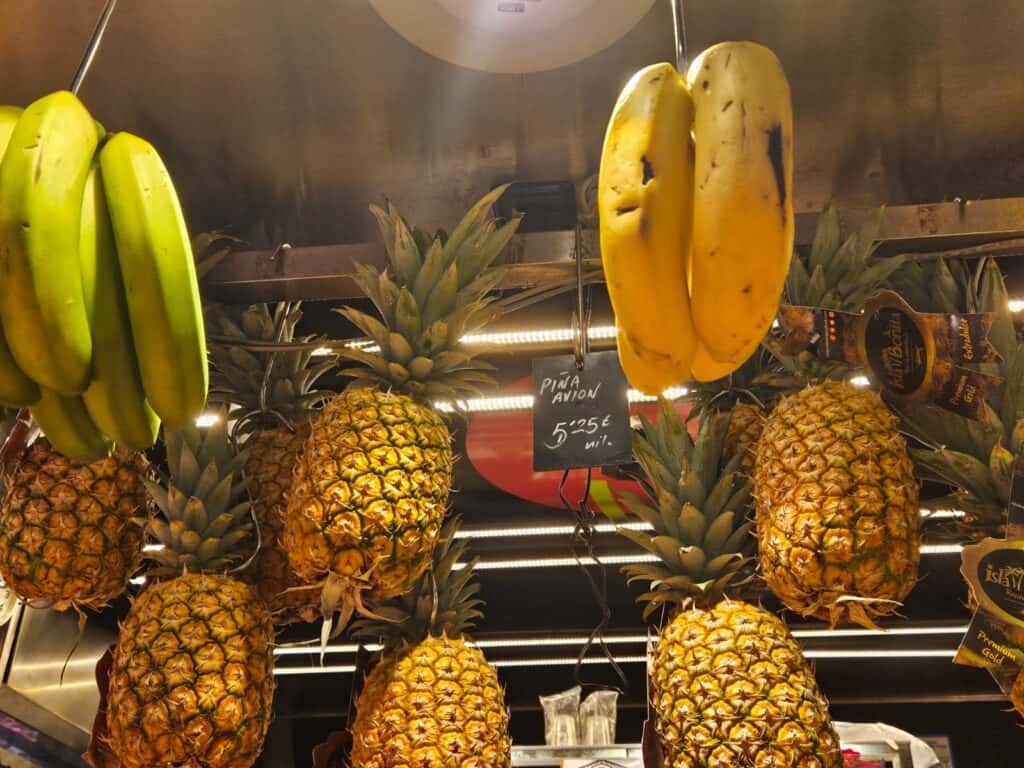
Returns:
(290, 116)
(32, 689)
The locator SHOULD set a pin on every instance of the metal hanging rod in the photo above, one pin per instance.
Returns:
(93, 45)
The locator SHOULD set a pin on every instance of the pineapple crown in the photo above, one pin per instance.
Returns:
(266, 387)
(434, 291)
(204, 504)
(698, 512)
(840, 274)
(444, 600)
(975, 458)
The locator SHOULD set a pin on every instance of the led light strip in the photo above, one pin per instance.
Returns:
(537, 531)
(572, 660)
(632, 639)
(525, 402)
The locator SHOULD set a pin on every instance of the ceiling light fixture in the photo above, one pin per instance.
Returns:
(204, 420)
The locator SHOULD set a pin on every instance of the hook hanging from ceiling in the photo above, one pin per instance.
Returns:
(93, 45)
(679, 26)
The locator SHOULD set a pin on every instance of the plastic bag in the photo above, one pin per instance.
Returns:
(597, 718)
(562, 718)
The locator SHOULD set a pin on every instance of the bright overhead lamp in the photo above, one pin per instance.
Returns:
(512, 36)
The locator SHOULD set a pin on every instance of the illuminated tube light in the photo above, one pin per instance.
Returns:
(207, 420)
(153, 548)
(633, 639)
(1015, 305)
(567, 661)
(525, 402)
(860, 381)
(556, 530)
(568, 562)
(499, 338)
(137, 580)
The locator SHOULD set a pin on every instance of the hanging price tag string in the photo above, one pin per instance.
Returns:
(597, 577)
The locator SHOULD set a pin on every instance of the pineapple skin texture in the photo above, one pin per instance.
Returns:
(731, 689)
(269, 470)
(745, 427)
(837, 505)
(192, 682)
(67, 534)
(437, 704)
(370, 492)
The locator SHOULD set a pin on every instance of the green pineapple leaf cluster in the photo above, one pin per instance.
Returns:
(839, 274)
(434, 291)
(443, 602)
(935, 285)
(698, 512)
(265, 388)
(204, 504)
(973, 458)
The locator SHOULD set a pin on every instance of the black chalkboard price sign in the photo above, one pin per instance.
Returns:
(580, 417)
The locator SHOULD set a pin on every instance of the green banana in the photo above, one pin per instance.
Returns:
(42, 305)
(68, 427)
(115, 398)
(16, 389)
(159, 278)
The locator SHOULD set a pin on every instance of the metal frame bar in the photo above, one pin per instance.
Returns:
(322, 272)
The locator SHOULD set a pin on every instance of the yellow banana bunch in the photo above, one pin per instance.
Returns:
(696, 213)
(743, 205)
(645, 192)
(16, 389)
(155, 257)
(115, 399)
(42, 178)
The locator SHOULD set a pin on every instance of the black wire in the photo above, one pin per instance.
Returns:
(582, 544)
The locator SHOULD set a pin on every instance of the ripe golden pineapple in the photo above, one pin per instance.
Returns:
(839, 528)
(433, 700)
(370, 489)
(271, 399)
(70, 535)
(191, 682)
(745, 426)
(729, 685)
(1017, 694)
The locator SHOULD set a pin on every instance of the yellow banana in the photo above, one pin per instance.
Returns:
(645, 191)
(649, 379)
(66, 424)
(159, 278)
(16, 389)
(743, 202)
(706, 368)
(115, 399)
(42, 305)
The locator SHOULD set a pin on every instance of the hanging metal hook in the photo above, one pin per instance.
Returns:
(580, 318)
(93, 45)
(679, 27)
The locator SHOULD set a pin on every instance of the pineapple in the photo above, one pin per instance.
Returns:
(839, 530)
(433, 700)
(70, 532)
(191, 681)
(372, 482)
(272, 402)
(976, 459)
(729, 684)
(1017, 693)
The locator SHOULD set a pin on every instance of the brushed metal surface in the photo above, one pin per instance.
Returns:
(290, 117)
(33, 690)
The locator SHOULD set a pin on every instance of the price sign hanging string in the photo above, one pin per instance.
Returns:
(582, 539)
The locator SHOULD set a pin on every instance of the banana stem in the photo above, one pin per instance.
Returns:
(93, 45)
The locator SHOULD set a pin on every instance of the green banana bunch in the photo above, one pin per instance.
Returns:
(115, 399)
(42, 303)
(16, 388)
(69, 428)
(155, 257)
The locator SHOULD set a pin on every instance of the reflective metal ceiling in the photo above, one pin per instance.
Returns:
(292, 115)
